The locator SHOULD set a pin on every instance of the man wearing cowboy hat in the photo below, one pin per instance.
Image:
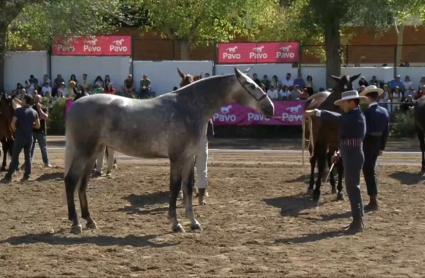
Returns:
(377, 120)
(352, 132)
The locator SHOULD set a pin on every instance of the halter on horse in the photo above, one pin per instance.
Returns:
(327, 136)
(168, 126)
(6, 133)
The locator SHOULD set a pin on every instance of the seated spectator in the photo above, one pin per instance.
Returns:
(73, 78)
(299, 81)
(106, 81)
(46, 89)
(284, 93)
(86, 83)
(72, 89)
(288, 82)
(110, 89)
(374, 81)
(19, 91)
(408, 86)
(420, 93)
(98, 83)
(56, 84)
(396, 83)
(33, 80)
(61, 91)
(275, 82)
(421, 83)
(129, 89)
(273, 93)
(206, 75)
(256, 80)
(309, 85)
(46, 79)
(145, 87)
(304, 94)
(363, 82)
(266, 82)
(79, 91)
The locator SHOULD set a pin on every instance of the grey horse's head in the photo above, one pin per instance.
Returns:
(253, 96)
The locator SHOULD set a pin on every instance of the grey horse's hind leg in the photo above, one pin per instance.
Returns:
(111, 159)
(175, 185)
(188, 183)
(72, 178)
(85, 213)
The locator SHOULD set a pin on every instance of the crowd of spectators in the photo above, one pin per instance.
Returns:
(76, 88)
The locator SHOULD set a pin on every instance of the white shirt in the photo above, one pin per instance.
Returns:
(288, 83)
(273, 94)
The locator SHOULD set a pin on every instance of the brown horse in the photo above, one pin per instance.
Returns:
(6, 134)
(419, 113)
(326, 136)
(187, 78)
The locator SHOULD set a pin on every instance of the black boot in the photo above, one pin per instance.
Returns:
(355, 227)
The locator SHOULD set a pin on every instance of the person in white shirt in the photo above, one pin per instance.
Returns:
(284, 93)
(408, 86)
(288, 82)
(273, 93)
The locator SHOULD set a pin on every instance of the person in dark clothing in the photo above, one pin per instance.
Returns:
(79, 92)
(23, 122)
(39, 134)
(352, 132)
(377, 120)
(256, 79)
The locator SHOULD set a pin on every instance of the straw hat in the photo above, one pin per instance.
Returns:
(348, 95)
(371, 89)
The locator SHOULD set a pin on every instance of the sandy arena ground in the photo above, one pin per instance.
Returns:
(258, 223)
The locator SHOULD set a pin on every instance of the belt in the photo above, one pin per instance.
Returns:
(374, 134)
(351, 142)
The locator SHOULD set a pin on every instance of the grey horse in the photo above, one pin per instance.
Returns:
(168, 126)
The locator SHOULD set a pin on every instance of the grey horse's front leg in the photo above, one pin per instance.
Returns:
(188, 198)
(110, 157)
(175, 186)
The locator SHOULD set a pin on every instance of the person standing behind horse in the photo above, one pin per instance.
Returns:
(39, 134)
(23, 122)
(377, 120)
(145, 87)
(352, 133)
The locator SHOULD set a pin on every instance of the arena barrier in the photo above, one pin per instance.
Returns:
(287, 113)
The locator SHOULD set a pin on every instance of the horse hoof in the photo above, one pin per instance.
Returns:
(196, 226)
(340, 196)
(316, 196)
(178, 228)
(91, 225)
(76, 229)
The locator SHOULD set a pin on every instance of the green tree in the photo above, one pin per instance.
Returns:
(203, 22)
(329, 17)
(25, 23)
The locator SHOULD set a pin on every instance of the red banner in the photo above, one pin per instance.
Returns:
(93, 46)
(255, 53)
(286, 113)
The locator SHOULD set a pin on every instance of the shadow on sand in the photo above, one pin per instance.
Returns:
(147, 203)
(312, 237)
(291, 205)
(408, 178)
(50, 176)
(100, 240)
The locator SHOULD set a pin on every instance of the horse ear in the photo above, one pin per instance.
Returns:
(336, 78)
(354, 77)
(180, 73)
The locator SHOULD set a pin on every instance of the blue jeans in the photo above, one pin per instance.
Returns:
(41, 139)
(20, 144)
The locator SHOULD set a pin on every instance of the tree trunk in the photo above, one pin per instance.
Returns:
(400, 39)
(3, 34)
(184, 50)
(333, 55)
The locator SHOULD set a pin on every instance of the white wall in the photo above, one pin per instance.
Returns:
(117, 67)
(20, 65)
(415, 74)
(163, 74)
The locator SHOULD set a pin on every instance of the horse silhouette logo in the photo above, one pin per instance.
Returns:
(118, 42)
(232, 49)
(258, 49)
(91, 41)
(294, 109)
(286, 48)
(226, 109)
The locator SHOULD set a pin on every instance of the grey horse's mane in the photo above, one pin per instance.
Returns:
(195, 83)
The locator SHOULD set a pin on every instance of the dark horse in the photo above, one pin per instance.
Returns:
(326, 136)
(6, 133)
(419, 112)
